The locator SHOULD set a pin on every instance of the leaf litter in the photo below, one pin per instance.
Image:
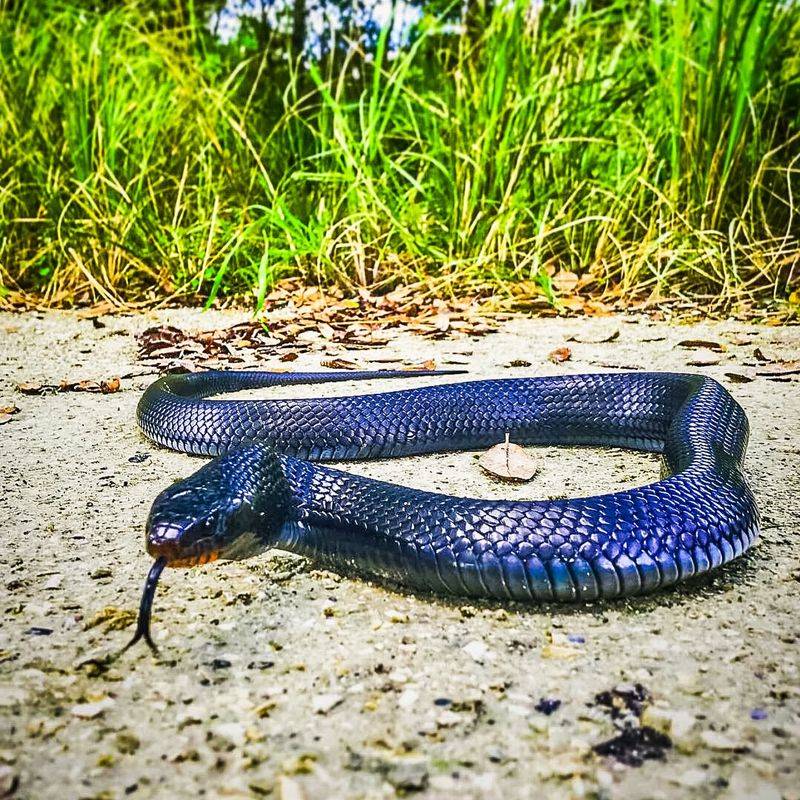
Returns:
(508, 461)
(109, 386)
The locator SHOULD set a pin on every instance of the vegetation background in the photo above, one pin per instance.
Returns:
(154, 150)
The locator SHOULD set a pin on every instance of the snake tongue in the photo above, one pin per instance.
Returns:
(146, 606)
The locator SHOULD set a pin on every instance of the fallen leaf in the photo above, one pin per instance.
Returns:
(518, 362)
(509, 462)
(700, 344)
(288, 357)
(763, 357)
(780, 369)
(105, 387)
(736, 377)
(7, 413)
(599, 339)
(703, 361)
(609, 365)
(564, 281)
(339, 363)
(560, 354)
(326, 331)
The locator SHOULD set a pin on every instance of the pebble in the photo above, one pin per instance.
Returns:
(323, 703)
(12, 695)
(714, 740)
(290, 789)
(408, 774)
(691, 777)
(92, 710)
(681, 726)
(478, 651)
(745, 784)
(408, 698)
(447, 719)
(230, 734)
(9, 780)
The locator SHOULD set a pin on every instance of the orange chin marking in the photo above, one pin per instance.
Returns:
(195, 561)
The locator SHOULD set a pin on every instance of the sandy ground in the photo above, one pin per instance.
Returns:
(279, 680)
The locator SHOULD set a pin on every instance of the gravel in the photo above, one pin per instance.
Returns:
(277, 679)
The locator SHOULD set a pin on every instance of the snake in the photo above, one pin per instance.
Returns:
(267, 486)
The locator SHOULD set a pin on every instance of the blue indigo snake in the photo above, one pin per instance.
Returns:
(262, 490)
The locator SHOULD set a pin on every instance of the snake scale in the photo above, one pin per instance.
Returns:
(263, 491)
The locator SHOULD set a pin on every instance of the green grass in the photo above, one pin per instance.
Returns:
(649, 147)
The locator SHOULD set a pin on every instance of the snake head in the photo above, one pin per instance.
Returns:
(229, 509)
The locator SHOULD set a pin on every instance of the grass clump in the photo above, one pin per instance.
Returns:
(646, 147)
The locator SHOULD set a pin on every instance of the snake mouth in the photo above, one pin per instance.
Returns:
(177, 554)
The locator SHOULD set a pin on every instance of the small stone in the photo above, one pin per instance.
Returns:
(447, 719)
(408, 774)
(9, 781)
(12, 695)
(261, 787)
(496, 755)
(680, 726)
(691, 777)
(718, 741)
(744, 784)
(302, 765)
(408, 698)
(398, 617)
(54, 582)
(127, 742)
(228, 735)
(478, 651)
(547, 705)
(323, 703)
(92, 710)
(290, 789)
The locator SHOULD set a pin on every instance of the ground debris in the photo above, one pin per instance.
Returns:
(624, 699)
(633, 746)
(7, 413)
(109, 386)
(112, 619)
(294, 315)
(508, 461)
(560, 355)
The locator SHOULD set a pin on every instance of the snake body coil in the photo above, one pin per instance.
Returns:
(263, 492)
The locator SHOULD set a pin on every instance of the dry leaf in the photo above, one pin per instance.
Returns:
(7, 413)
(560, 354)
(699, 344)
(518, 362)
(288, 357)
(509, 462)
(780, 369)
(564, 281)
(339, 363)
(326, 331)
(704, 361)
(736, 377)
(105, 387)
(601, 339)
(763, 357)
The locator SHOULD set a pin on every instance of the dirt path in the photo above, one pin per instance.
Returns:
(279, 680)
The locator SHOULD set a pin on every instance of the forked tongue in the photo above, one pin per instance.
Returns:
(146, 606)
